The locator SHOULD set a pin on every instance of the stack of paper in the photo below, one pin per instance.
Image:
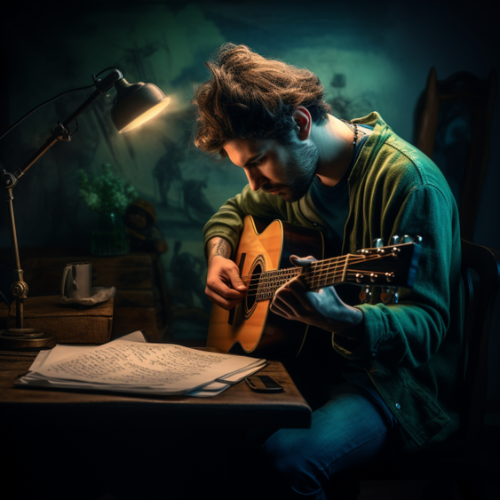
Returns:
(130, 364)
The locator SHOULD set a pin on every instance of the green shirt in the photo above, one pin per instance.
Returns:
(413, 351)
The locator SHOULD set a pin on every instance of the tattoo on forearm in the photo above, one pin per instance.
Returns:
(222, 248)
(210, 248)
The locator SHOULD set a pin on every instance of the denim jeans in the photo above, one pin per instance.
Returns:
(348, 430)
(350, 425)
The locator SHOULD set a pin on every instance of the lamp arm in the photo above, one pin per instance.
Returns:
(19, 287)
(8, 180)
(61, 132)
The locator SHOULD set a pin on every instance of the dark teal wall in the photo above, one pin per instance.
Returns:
(384, 50)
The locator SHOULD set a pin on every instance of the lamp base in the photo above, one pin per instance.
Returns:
(26, 339)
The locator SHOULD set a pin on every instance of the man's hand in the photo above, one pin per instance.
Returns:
(224, 285)
(323, 309)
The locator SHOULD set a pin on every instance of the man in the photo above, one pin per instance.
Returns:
(389, 381)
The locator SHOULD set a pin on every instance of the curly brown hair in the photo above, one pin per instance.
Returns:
(251, 97)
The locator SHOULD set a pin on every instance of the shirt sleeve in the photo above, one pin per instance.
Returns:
(410, 332)
(227, 223)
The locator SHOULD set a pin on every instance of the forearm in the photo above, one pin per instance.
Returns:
(218, 247)
(224, 285)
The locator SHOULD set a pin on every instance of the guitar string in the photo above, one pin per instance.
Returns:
(329, 263)
(277, 283)
(317, 268)
(326, 263)
(335, 261)
(310, 279)
(271, 289)
(284, 279)
(318, 271)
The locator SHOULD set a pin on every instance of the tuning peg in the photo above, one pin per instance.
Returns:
(389, 277)
(365, 294)
(395, 239)
(378, 242)
(390, 294)
(410, 239)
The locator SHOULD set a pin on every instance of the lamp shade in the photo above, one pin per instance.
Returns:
(135, 104)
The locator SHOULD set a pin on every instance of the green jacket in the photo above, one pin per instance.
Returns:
(413, 351)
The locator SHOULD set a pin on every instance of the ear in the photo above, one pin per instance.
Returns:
(303, 120)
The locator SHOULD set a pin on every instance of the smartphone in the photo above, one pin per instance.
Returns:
(263, 383)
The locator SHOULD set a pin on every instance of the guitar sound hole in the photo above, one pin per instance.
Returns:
(250, 300)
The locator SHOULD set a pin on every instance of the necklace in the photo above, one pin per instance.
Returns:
(354, 128)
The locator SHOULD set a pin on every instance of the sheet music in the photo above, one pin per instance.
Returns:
(130, 364)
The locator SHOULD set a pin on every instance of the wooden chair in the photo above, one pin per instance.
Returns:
(460, 458)
(453, 128)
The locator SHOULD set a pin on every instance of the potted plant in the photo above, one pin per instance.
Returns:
(108, 195)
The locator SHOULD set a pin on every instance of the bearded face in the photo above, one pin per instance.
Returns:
(277, 167)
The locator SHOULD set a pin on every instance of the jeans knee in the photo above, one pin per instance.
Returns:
(290, 466)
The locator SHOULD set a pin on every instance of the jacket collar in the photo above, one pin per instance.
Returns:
(380, 134)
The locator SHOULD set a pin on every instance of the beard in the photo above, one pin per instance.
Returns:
(300, 171)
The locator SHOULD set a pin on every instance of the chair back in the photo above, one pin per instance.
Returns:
(481, 275)
(453, 128)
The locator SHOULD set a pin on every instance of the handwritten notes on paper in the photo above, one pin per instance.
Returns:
(134, 363)
(130, 364)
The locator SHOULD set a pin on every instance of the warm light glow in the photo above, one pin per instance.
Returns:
(150, 113)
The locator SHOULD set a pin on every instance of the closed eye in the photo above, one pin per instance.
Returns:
(256, 163)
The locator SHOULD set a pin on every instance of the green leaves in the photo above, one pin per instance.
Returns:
(106, 193)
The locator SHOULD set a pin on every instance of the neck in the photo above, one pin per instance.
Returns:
(334, 142)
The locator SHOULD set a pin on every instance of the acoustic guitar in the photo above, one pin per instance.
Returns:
(263, 257)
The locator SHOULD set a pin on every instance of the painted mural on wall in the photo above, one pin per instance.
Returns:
(167, 47)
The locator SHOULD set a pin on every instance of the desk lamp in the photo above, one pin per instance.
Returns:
(134, 104)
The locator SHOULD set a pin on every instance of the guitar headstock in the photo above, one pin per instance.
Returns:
(391, 266)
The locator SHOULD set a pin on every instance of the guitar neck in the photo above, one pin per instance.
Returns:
(319, 274)
(394, 265)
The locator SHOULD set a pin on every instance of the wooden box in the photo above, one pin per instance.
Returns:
(141, 298)
(70, 325)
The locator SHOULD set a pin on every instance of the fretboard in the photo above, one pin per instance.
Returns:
(319, 274)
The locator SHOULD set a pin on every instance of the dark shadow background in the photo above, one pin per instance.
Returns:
(369, 56)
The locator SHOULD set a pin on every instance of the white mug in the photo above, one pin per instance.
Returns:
(77, 280)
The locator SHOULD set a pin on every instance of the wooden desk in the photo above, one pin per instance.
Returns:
(236, 407)
(62, 444)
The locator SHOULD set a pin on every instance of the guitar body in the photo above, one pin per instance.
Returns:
(250, 328)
